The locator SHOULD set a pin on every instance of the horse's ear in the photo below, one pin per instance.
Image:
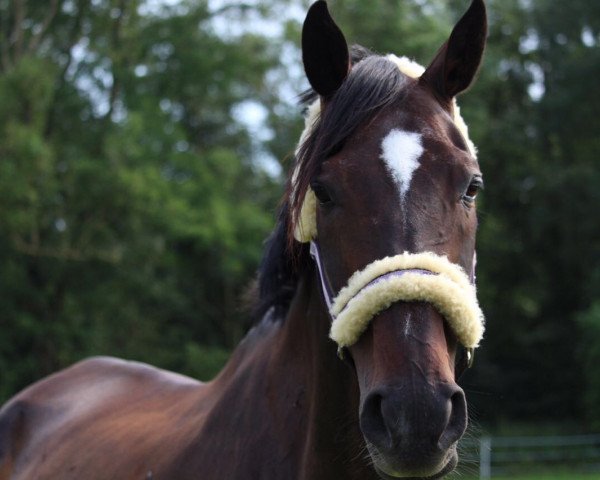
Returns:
(324, 51)
(456, 63)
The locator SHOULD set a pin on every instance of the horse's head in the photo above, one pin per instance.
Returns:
(385, 167)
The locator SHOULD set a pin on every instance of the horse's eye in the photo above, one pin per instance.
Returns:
(472, 190)
(322, 194)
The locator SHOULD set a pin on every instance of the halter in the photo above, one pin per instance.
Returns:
(407, 277)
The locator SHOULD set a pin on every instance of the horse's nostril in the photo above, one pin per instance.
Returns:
(428, 422)
(457, 421)
(372, 422)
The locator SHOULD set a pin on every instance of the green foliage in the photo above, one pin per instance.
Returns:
(133, 209)
(204, 362)
(535, 476)
(537, 253)
(411, 28)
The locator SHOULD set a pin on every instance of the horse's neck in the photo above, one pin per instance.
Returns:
(333, 442)
(305, 398)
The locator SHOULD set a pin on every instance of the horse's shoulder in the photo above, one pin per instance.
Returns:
(82, 389)
(84, 399)
(103, 375)
(12, 417)
(117, 368)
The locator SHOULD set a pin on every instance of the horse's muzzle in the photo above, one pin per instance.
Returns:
(412, 431)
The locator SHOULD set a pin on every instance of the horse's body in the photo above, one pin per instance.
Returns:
(402, 177)
(272, 413)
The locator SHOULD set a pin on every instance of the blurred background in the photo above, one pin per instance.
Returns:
(143, 149)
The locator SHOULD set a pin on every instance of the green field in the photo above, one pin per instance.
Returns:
(538, 476)
(543, 476)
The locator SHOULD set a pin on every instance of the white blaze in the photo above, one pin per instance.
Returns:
(401, 151)
(407, 326)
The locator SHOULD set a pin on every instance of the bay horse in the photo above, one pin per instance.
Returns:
(371, 260)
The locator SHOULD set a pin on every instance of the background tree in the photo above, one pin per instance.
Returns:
(133, 211)
(539, 246)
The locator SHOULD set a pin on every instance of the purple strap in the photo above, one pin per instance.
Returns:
(398, 273)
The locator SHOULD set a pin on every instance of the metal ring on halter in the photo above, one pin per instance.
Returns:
(470, 357)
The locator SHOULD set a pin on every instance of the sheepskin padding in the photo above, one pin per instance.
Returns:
(448, 290)
(408, 67)
(305, 228)
(305, 225)
(313, 113)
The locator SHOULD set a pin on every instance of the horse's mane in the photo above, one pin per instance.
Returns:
(373, 84)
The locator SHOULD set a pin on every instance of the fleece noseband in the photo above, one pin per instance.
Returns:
(407, 277)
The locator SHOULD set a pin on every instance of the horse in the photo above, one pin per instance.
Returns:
(366, 311)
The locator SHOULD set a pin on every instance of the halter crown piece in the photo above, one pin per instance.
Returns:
(407, 277)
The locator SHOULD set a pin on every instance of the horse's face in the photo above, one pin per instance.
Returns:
(411, 410)
(405, 180)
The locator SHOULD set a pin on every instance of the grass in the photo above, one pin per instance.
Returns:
(536, 462)
(537, 476)
(551, 476)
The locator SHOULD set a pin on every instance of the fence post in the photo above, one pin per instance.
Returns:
(485, 458)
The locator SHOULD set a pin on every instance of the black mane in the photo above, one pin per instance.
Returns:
(373, 84)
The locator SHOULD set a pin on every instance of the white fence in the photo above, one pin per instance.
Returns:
(506, 456)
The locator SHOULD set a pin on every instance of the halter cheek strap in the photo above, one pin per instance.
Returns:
(407, 277)
(325, 288)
